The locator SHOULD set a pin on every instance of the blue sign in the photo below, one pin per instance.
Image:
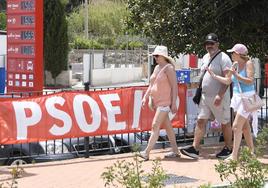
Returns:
(183, 76)
(2, 79)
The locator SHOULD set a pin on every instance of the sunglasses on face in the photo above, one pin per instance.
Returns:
(156, 56)
(209, 43)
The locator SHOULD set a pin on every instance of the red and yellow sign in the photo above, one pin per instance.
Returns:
(79, 114)
(24, 45)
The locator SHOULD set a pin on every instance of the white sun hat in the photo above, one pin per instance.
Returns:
(163, 51)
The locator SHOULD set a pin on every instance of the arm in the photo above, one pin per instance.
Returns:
(250, 74)
(171, 74)
(219, 96)
(227, 80)
(147, 93)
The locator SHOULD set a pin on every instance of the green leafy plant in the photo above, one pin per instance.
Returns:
(82, 43)
(247, 171)
(261, 142)
(16, 172)
(205, 186)
(131, 175)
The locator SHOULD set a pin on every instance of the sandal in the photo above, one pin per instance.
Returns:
(144, 156)
(172, 155)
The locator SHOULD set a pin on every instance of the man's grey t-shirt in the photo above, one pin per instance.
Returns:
(222, 62)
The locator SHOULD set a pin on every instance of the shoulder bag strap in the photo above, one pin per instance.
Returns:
(157, 76)
(238, 83)
(202, 76)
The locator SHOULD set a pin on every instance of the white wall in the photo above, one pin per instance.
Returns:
(112, 76)
(63, 79)
(3, 50)
(3, 44)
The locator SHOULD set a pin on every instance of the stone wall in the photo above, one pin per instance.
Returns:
(114, 57)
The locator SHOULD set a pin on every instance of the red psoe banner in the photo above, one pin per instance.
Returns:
(79, 114)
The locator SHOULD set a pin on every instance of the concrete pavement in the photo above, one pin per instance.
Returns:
(82, 173)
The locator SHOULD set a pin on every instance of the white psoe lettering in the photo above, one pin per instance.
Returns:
(22, 121)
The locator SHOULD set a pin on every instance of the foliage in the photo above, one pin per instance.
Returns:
(261, 142)
(3, 23)
(55, 37)
(205, 186)
(182, 25)
(247, 171)
(130, 174)
(105, 43)
(106, 26)
(105, 19)
(3, 5)
(82, 43)
(16, 172)
(75, 25)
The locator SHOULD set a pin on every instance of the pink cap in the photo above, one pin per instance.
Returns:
(240, 49)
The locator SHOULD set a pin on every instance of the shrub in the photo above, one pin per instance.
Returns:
(82, 43)
(248, 171)
(261, 142)
(136, 44)
(107, 42)
(131, 175)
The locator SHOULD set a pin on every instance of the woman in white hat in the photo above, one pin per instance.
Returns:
(242, 76)
(164, 91)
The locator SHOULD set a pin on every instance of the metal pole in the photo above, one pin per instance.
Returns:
(86, 139)
(86, 19)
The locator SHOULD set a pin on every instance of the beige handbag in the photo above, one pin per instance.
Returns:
(250, 103)
(151, 101)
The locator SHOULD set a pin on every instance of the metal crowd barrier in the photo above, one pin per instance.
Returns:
(105, 144)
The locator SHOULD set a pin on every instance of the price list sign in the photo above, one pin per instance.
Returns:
(24, 45)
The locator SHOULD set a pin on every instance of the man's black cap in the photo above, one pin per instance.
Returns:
(212, 37)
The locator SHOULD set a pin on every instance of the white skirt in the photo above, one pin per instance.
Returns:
(236, 104)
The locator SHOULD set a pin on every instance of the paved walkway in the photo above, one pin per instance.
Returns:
(82, 173)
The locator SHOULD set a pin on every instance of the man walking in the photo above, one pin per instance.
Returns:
(215, 100)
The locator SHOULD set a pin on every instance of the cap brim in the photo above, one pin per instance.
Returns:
(230, 50)
(210, 41)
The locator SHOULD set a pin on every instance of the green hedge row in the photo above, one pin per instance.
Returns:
(104, 43)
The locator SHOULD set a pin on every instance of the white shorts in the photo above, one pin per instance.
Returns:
(164, 108)
(237, 105)
(207, 109)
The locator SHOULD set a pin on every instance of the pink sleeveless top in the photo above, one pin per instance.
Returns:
(161, 89)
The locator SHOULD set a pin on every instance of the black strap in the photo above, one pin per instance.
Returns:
(202, 76)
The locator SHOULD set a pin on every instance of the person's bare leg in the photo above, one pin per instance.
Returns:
(227, 134)
(159, 118)
(248, 136)
(199, 132)
(171, 135)
(238, 124)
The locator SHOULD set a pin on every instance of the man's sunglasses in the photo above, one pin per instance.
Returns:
(209, 43)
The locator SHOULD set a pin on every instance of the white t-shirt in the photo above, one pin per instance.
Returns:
(210, 86)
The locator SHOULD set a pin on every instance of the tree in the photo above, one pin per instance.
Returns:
(55, 37)
(3, 4)
(182, 25)
(72, 5)
(3, 22)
